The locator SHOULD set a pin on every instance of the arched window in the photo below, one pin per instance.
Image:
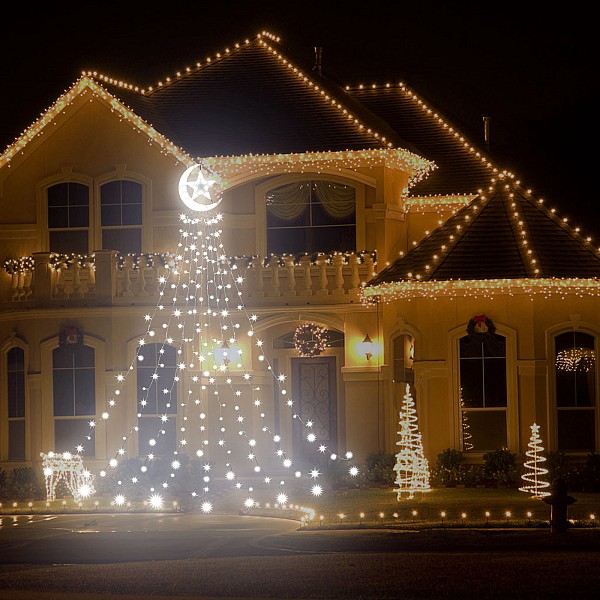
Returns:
(575, 379)
(404, 356)
(483, 392)
(121, 216)
(74, 393)
(157, 399)
(311, 216)
(69, 218)
(15, 363)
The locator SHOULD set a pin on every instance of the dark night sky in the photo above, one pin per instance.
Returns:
(532, 71)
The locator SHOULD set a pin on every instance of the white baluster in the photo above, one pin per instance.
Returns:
(338, 264)
(305, 267)
(355, 277)
(259, 282)
(274, 291)
(126, 280)
(291, 276)
(323, 283)
(76, 285)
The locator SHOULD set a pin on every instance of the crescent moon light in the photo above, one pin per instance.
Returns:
(195, 192)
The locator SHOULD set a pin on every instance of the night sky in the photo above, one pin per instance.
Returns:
(532, 71)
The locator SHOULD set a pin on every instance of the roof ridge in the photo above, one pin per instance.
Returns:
(365, 123)
(78, 88)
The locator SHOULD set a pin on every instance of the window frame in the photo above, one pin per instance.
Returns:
(9, 345)
(553, 408)
(121, 227)
(354, 180)
(67, 175)
(122, 174)
(134, 413)
(47, 391)
(512, 392)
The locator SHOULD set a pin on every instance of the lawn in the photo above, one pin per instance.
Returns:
(380, 507)
(364, 507)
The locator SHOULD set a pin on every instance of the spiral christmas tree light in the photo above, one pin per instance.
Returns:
(412, 468)
(533, 477)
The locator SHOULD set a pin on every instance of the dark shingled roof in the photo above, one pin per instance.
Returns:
(490, 239)
(459, 170)
(249, 101)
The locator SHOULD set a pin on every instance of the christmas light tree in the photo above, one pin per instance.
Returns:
(533, 477)
(411, 466)
(194, 368)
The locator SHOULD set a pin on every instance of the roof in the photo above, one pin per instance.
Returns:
(462, 167)
(251, 99)
(503, 234)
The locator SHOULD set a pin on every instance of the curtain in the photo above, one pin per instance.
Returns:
(338, 201)
(288, 202)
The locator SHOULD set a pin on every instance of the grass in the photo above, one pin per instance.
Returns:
(364, 507)
(380, 507)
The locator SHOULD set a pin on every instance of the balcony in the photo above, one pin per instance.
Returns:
(46, 280)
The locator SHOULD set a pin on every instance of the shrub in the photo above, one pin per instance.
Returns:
(449, 468)
(24, 483)
(558, 465)
(3, 484)
(590, 473)
(501, 465)
(473, 475)
(379, 468)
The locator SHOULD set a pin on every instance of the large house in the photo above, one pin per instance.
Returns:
(360, 211)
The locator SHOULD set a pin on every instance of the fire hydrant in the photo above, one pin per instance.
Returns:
(559, 500)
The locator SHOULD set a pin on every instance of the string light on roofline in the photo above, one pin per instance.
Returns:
(482, 288)
(82, 86)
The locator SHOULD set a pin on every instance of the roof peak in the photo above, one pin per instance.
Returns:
(504, 234)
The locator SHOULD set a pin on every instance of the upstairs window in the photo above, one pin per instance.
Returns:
(575, 368)
(483, 393)
(15, 359)
(311, 216)
(69, 218)
(121, 216)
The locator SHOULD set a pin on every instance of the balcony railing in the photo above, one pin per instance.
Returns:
(45, 280)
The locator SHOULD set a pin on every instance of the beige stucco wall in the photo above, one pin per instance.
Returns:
(529, 324)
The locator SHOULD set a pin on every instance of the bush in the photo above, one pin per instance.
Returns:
(449, 467)
(558, 465)
(501, 466)
(24, 483)
(379, 468)
(590, 473)
(3, 484)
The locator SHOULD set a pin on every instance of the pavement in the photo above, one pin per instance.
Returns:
(192, 555)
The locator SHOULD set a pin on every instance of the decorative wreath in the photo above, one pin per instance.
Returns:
(310, 339)
(70, 336)
(481, 326)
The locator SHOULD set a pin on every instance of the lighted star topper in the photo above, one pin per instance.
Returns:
(194, 190)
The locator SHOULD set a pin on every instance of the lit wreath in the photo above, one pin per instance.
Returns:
(310, 339)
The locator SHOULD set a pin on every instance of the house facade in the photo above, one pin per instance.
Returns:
(360, 211)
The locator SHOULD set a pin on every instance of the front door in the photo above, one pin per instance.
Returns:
(314, 387)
